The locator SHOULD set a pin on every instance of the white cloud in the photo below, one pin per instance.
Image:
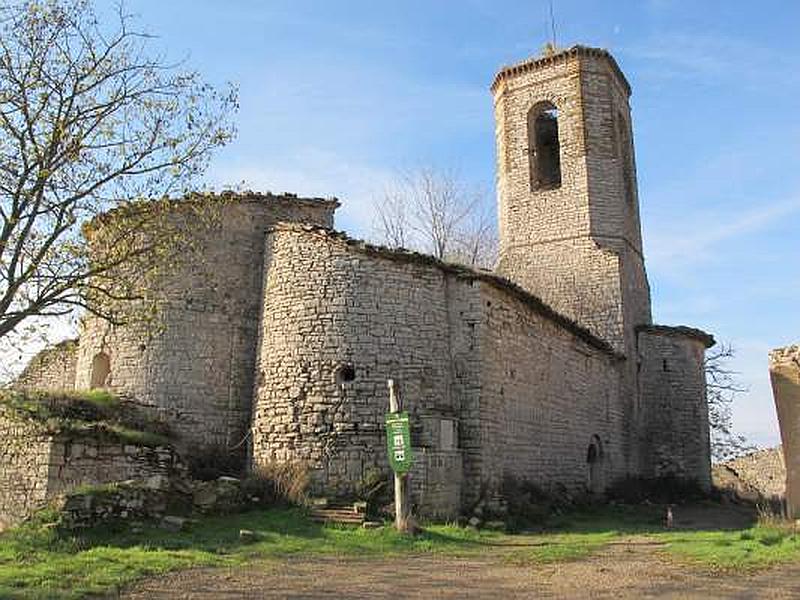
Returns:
(691, 240)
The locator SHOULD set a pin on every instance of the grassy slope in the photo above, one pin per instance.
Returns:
(89, 412)
(36, 562)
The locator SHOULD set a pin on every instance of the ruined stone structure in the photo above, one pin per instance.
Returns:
(53, 367)
(784, 371)
(282, 334)
(759, 476)
(37, 463)
(199, 371)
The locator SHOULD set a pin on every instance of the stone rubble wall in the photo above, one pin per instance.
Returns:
(673, 408)
(24, 466)
(52, 369)
(328, 310)
(784, 371)
(77, 461)
(526, 391)
(195, 364)
(755, 476)
(37, 465)
(579, 278)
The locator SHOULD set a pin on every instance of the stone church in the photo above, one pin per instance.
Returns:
(280, 337)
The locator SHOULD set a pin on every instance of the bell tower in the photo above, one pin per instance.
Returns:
(567, 197)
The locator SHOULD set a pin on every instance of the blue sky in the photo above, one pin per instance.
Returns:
(336, 97)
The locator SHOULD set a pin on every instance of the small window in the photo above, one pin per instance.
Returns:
(346, 374)
(101, 371)
(544, 149)
(595, 480)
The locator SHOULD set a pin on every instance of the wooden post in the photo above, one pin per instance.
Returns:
(401, 520)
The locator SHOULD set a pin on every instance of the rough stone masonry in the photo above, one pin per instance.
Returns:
(784, 371)
(278, 334)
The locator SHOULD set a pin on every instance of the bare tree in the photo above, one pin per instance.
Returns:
(721, 388)
(392, 219)
(435, 212)
(90, 118)
(476, 244)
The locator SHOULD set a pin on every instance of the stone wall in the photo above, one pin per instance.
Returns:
(52, 369)
(195, 363)
(24, 466)
(546, 397)
(577, 246)
(673, 407)
(76, 461)
(336, 325)
(496, 383)
(784, 371)
(37, 464)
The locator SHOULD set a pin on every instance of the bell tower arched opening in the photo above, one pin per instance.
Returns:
(544, 148)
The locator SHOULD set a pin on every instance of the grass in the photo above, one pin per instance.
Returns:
(749, 549)
(86, 413)
(756, 545)
(37, 561)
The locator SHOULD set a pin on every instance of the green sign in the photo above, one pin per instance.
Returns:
(398, 442)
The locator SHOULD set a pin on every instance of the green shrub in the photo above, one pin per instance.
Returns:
(527, 504)
(770, 537)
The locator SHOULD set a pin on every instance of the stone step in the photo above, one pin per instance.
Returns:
(337, 514)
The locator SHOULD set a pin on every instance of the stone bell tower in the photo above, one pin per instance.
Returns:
(566, 176)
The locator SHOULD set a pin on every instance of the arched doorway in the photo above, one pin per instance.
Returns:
(595, 468)
(101, 371)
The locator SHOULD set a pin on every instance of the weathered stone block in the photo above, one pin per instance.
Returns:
(784, 370)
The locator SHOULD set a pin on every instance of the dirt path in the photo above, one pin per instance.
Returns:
(623, 570)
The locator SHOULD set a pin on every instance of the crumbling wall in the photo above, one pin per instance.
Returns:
(194, 362)
(52, 369)
(37, 464)
(24, 466)
(673, 407)
(86, 460)
(784, 371)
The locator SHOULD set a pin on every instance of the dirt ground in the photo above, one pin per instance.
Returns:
(630, 568)
(620, 571)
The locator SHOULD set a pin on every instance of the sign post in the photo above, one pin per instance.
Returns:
(398, 444)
